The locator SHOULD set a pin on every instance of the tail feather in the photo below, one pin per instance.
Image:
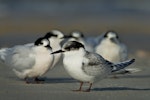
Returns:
(2, 54)
(127, 71)
(122, 65)
(19, 74)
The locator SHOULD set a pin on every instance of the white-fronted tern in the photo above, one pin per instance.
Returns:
(55, 37)
(112, 49)
(30, 61)
(85, 66)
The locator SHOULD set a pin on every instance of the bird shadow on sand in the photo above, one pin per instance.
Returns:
(120, 89)
(59, 80)
(49, 80)
(135, 76)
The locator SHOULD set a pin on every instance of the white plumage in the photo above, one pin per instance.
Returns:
(55, 37)
(30, 61)
(111, 48)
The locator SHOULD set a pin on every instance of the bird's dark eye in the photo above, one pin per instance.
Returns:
(73, 45)
(117, 37)
(40, 43)
(67, 48)
(105, 35)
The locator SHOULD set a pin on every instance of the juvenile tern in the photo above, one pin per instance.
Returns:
(85, 66)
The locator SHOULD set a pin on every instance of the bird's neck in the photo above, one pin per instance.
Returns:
(55, 43)
(41, 49)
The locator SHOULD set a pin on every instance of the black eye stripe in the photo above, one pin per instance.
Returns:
(50, 34)
(40, 41)
(106, 34)
(73, 45)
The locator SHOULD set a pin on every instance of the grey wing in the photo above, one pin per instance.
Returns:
(93, 64)
(20, 58)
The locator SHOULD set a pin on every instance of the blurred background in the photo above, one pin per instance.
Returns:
(22, 21)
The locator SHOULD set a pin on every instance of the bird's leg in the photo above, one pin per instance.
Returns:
(89, 89)
(27, 81)
(115, 76)
(33, 81)
(81, 83)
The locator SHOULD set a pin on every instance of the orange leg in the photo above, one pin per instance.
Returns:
(89, 89)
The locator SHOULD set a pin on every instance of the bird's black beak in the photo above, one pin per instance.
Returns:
(113, 40)
(59, 51)
(48, 46)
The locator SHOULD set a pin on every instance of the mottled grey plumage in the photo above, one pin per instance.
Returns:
(94, 64)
